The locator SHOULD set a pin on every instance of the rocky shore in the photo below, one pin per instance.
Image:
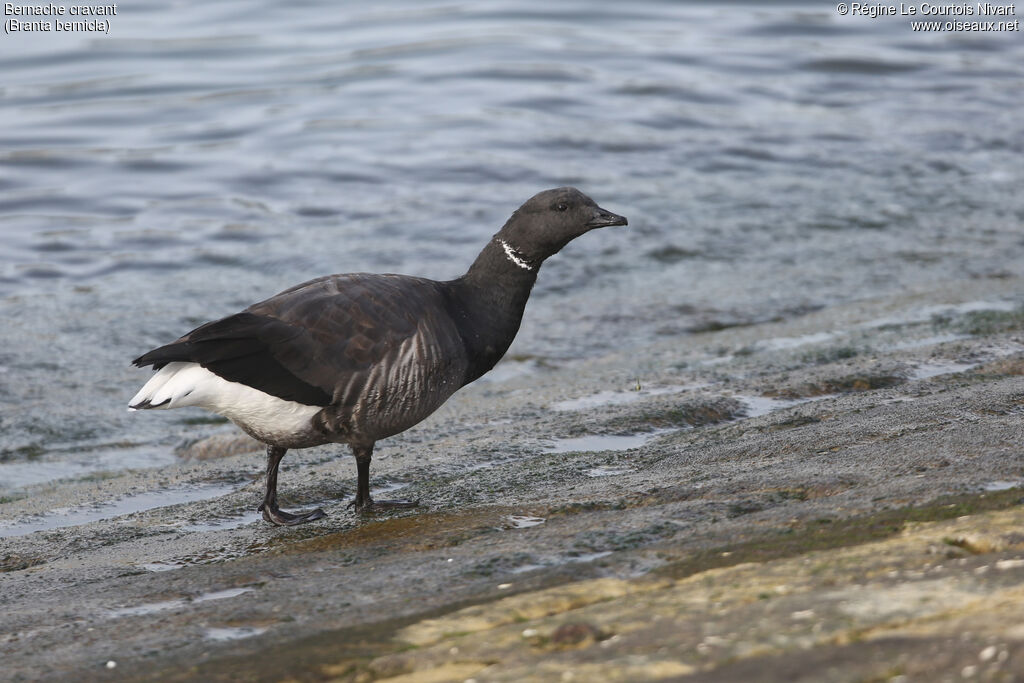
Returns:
(831, 498)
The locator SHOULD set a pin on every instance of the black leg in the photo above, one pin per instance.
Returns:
(363, 456)
(271, 512)
(363, 500)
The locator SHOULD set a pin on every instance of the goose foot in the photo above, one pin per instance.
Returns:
(279, 517)
(271, 512)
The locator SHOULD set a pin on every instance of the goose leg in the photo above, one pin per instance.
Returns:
(363, 501)
(271, 512)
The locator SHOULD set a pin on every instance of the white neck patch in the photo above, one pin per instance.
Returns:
(514, 256)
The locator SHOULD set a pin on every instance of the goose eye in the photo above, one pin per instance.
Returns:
(561, 207)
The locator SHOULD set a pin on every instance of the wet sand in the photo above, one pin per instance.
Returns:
(833, 497)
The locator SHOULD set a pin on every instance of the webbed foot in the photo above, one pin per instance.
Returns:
(279, 517)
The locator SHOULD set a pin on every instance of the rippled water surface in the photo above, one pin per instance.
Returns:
(772, 160)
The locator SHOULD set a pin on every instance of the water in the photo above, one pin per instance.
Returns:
(939, 368)
(573, 558)
(524, 521)
(603, 442)
(757, 406)
(225, 633)
(164, 605)
(57, 519)
(772, 159)
(1002, 485)
(609, 398)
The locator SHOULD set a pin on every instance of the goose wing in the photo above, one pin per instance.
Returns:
(307, 342)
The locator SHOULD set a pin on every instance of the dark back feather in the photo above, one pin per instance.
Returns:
(308, 342)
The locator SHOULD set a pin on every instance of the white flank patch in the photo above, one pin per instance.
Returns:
(178, 385)
(513, 255)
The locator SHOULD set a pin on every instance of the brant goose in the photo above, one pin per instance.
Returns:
(356, 358)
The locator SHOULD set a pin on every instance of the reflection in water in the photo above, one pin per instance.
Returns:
(57, 519)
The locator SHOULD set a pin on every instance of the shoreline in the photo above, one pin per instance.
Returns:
(552, 485)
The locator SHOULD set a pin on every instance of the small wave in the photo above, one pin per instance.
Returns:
(855, 65)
